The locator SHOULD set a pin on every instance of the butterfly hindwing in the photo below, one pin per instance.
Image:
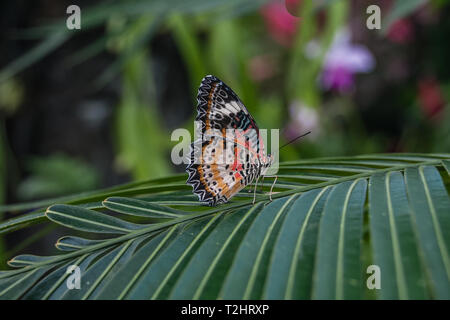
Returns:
(223, 170)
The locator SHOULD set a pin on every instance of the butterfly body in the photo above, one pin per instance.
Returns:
(230, 153)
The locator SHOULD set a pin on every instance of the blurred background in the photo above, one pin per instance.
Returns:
(94, 107)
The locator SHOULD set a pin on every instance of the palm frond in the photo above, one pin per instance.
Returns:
(306, 244)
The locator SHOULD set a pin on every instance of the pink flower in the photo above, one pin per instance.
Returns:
(430, 97)
(342, 61)
(293, 7)
(401, 31)
(281, 24)
(262, 67)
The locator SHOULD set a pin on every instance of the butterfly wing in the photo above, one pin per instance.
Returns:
(214, 180)
(223, 163)
(219, 107)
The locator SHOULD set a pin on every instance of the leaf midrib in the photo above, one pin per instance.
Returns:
(158, 212)
(256, 265)
(294, 262)
(340, 253)
(436, 226)
(208, 273)
(399, 269)
(107, 226)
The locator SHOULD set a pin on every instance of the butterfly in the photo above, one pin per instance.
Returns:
(230, 153)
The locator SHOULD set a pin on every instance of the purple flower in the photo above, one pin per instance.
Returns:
(303, 119)
(342, 61)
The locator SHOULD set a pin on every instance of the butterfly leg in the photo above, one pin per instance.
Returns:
(262, 184)
(271, 188)
(254, 191)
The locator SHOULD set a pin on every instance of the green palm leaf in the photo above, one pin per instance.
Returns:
(330, 219)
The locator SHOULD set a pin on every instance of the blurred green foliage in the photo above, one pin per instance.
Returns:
(235, 41)
(2, 192)
(56, 175)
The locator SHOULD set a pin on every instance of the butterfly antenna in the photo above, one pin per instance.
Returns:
(300, 136)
